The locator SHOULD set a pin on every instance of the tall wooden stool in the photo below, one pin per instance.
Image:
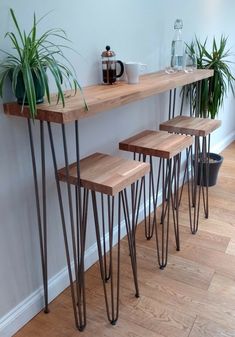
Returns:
(167, 148)
(110, 176)
(201, 129)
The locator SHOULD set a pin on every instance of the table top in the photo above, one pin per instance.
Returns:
(106, 97)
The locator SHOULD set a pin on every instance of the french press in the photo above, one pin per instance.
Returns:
(109, 66)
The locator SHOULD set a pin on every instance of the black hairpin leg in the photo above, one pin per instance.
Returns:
(111, 285)
(42, 220)
(175, 198)
(131, 230)
(149, 226)
(78, 230)
(137, 190)
(170, 173)
(200, 182)
(205, 181)
(166, 199)
(112, 301)
(196, 193)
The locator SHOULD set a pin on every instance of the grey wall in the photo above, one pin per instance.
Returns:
(137, 30)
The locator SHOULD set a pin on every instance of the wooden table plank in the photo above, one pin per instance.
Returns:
(105, 97)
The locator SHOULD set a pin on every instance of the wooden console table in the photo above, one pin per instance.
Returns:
(98, 98)
(106, 97)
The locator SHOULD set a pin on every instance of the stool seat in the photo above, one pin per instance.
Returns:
(156, 143)
(193, 126)
(105, 173)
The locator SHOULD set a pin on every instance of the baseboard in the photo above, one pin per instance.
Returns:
(219, 147)
(32, 305)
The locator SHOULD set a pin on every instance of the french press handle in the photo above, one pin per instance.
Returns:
(121, 68)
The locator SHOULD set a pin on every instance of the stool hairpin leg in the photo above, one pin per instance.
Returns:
(175, 198)
(155, 200)
(205, 180)
(207, 175)
(42, 222)
(186, 171)
(163, 192)
(106, 267)
(136, 192)
(189, 183)
(111, 308)
(131, 229)
(172, 183)
(196, 200)
(137, 200)
(195, 179)
(166, 219)
(162, 250)
(149, 225)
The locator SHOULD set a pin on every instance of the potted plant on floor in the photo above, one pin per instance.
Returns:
(32, 58)
(213, 89)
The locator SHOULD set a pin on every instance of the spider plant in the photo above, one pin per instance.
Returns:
(215, 88)
(32, 58)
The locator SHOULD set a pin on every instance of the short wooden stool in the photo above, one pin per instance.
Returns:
(110, 176)
(168, 148)
(201, 129)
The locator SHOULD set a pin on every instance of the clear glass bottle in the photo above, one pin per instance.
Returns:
(177, 47)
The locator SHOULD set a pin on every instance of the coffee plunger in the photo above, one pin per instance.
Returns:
(109, 66)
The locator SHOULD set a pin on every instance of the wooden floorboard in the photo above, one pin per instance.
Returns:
(193, 297)
(206, 328)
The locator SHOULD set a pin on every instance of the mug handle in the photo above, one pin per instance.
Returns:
(122, 68)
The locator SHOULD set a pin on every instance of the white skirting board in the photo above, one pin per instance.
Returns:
(33, 304)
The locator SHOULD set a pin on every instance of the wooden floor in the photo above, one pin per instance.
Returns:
(193, 297)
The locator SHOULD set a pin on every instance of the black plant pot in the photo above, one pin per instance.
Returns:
(20, 90)
(215, 161)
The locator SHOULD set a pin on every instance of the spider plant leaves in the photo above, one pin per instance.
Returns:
(29, 88)
(33, 57)
(16, 25)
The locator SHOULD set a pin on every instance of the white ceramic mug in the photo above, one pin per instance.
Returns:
(133, 70)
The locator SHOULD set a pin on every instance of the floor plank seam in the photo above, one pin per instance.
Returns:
(192, 326)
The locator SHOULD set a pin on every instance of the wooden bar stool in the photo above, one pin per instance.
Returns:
(167, 148)
(110, 176)
(201, 129)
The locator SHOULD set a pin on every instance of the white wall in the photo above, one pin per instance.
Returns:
(136, 30)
